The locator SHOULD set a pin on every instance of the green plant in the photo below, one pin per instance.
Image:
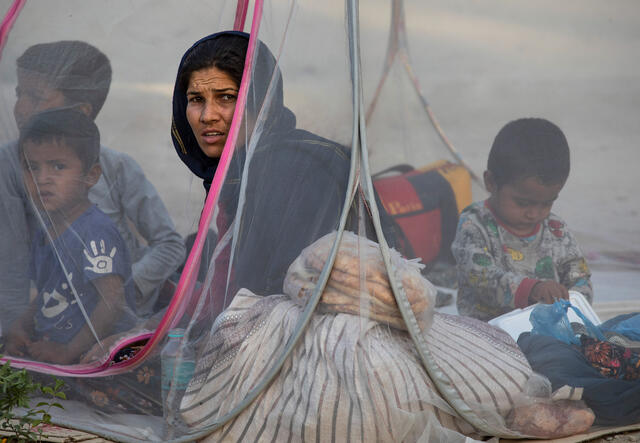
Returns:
(17, 386)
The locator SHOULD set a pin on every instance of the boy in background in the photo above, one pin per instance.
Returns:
(75, 73)
(510, 250)
(79, 263)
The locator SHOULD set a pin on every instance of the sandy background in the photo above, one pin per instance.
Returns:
(480, 64)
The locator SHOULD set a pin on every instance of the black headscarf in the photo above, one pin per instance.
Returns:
(280, 119)
(295, 189)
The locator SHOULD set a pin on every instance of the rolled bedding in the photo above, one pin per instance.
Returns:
(355, 373)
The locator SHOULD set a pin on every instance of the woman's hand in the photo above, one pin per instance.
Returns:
(548, 292)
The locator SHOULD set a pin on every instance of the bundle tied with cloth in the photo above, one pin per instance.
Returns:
(359, 283)
(363, 380)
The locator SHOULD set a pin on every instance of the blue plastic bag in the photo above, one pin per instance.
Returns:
(630, 327)
(552, 320)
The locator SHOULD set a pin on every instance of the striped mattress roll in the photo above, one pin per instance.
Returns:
(354, 379)
(480, 367)
(348, 379)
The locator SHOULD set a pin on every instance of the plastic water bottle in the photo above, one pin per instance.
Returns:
(178, 364)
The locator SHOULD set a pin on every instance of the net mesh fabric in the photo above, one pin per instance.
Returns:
(314, 297)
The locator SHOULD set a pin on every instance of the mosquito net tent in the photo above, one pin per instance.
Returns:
(309, 290)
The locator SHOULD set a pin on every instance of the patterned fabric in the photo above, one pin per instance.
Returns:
(481, 365)
(497, 269)
(90, 249)
(614, 401)
(354, 378)
(136, 391)
(611, 360)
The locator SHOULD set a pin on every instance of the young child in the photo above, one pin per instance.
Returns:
(510, 250)
(79, 263)
(76, 74)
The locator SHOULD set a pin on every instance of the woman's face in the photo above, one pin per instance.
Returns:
(211, 101)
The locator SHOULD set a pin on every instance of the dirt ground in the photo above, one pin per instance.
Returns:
(619, 438)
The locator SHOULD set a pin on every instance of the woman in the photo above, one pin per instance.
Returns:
(296, 181)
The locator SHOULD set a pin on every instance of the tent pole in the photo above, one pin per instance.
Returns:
(392, 50)
(8, 21)
(398, 46)
(241, 15)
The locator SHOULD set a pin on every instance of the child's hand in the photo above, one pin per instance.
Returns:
(50, 352)
(18, 342)
(548, 292)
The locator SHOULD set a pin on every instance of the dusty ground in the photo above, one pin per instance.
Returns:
(627, 437)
